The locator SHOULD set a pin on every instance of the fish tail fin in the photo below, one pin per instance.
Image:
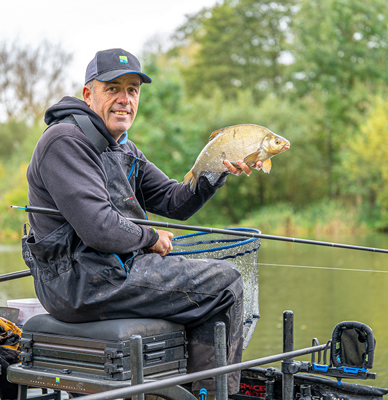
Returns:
(190, 179)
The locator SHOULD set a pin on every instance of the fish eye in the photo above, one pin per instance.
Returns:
(277, 141)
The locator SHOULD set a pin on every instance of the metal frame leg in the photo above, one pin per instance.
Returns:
(136, 351)
(220, 358)
(288, 345)
(22, 392)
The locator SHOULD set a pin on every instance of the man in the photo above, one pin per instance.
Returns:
(91, 263)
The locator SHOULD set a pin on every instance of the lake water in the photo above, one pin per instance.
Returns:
(321, 285)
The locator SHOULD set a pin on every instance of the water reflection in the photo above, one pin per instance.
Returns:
(348, 285)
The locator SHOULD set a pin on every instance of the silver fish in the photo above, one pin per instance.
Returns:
(247, 142)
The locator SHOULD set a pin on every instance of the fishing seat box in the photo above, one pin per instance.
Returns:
(101, 349)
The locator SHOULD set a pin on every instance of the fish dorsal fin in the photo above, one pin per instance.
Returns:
(215, 133)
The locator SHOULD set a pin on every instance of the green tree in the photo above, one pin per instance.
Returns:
(236, 45)
(340, 53)
(12, 135)
(11, 222)
(365, 164)
(339, 43)
(19, 139)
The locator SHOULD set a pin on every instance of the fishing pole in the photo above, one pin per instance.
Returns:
(15, 275)
(233, 232)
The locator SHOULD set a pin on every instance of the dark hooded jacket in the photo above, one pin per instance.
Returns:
(81, 260)
(66, 173)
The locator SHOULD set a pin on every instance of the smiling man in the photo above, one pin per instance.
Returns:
(92, 263)
(116, 102)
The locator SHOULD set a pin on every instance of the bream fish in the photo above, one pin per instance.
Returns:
(247, 142)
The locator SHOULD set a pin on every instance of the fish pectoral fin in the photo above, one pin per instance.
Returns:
(252, 159)
(267, 166)
(215, 133)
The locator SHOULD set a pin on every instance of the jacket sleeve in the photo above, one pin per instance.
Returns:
(168, 198)
(71, 172)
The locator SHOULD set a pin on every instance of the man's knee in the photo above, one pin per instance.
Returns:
(229, 275)
(235, 283)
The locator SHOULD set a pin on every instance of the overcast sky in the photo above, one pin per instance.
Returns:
(85, 26)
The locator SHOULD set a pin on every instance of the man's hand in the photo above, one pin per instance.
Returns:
(163, 246)
(243, 167)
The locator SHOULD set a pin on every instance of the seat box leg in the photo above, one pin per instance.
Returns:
(23, 394)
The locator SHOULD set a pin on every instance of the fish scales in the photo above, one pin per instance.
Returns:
(247, 142)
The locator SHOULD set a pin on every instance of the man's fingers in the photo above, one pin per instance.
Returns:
(259, 165)
(232, 169)
(242, 167)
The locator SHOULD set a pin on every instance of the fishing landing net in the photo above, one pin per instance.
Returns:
(238, 250)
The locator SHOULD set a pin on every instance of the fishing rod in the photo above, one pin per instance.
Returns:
(233, 232)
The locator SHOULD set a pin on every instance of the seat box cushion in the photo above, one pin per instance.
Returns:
(111, 329)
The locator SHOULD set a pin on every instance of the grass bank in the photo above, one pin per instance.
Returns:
(326, 218)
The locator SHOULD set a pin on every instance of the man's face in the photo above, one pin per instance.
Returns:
(116, 102)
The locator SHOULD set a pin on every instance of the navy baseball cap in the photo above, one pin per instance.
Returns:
(110, 64)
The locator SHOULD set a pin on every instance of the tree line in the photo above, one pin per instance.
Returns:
(311, 71)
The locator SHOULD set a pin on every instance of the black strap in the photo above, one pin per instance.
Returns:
(87, 127)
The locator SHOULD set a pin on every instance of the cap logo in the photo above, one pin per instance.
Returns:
(123, 59)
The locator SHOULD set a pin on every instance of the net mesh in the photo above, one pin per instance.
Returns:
(241, 251)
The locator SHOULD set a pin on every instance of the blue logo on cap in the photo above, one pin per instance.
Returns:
(123, 59)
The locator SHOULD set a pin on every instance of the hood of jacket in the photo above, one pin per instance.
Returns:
(72, 105)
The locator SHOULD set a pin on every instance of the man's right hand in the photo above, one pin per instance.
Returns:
(163, 246)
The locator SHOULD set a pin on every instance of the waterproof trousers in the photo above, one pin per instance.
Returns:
(196, 293)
